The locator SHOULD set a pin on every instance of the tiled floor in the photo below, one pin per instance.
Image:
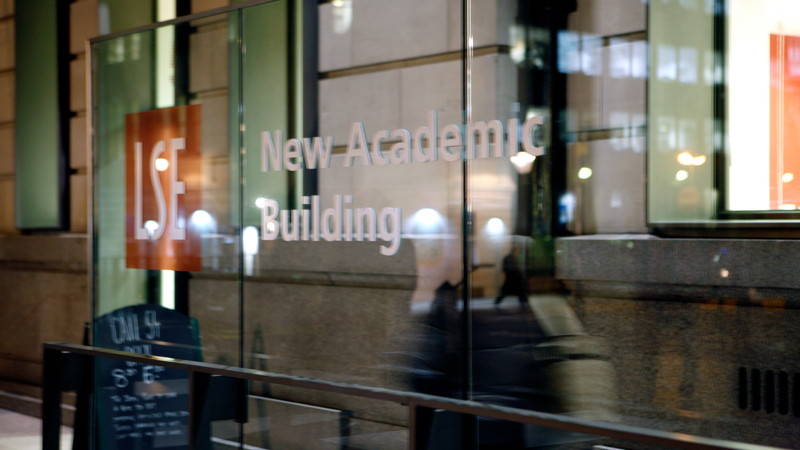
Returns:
(18, 432)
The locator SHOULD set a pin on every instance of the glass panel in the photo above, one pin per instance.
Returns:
(282, 424)
(745, 110)
(131, 216)
(166, 222)
(387, 213)
(354, 269)
(529, 348)
(682, 112)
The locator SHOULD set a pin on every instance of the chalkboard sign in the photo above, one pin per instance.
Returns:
(143, 406)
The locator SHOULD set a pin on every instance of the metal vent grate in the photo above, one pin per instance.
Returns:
(769, 391)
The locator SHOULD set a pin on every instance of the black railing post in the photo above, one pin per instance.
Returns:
(82, 428)
(412, 426)
(51, 399)
(199, 383)
(211, 398)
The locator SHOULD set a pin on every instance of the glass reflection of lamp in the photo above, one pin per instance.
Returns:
(250, 241)
(151, 226)
(686, 158)
(495, 227)
(426, 220)
(161, 164)
(204, 224)
(342, 15)
(203, 221)
(523, 162)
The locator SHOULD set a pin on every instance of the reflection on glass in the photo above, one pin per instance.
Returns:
(531, 282)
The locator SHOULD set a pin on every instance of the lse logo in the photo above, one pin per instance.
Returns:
(163, 176)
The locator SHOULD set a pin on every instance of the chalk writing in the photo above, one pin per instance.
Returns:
(144, 405)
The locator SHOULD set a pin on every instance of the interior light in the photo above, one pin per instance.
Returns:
(517, 52)
(788, 177)
(161, 164)
(566, 207)
(523, 161)
(724, 273)
(261, 202)
(686, 158)
(342, 15)
(584, 173)
(681, 175)
(495, 226)
(785, 206)
(250, 240)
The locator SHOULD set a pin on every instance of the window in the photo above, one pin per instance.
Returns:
(42, 115)
(724, 99)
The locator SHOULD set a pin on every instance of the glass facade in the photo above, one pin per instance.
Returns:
(453, 198)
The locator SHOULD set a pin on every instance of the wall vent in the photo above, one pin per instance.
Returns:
(769, 391)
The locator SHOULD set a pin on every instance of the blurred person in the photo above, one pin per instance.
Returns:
(516, 282)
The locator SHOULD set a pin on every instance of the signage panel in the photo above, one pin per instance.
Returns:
(138, 405)
(163, 188)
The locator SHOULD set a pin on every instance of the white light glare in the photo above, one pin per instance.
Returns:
(427, 219)
(523, 161)
(495, 226)
(686, 158)
(342, 15)
(261, 202)
(151, 226)
(681, 175)
(250, 240)
(202, 219)
(584, 173)
(788, 177)
(161, 164)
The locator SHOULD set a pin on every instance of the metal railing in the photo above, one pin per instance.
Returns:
(70, 367)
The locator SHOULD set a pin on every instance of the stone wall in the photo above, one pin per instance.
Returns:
(683, 317)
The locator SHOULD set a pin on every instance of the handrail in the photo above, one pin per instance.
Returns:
(413, 400)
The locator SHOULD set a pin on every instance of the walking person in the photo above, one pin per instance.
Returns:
(516, 282)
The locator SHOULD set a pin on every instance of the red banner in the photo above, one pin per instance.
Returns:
(163, 176)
